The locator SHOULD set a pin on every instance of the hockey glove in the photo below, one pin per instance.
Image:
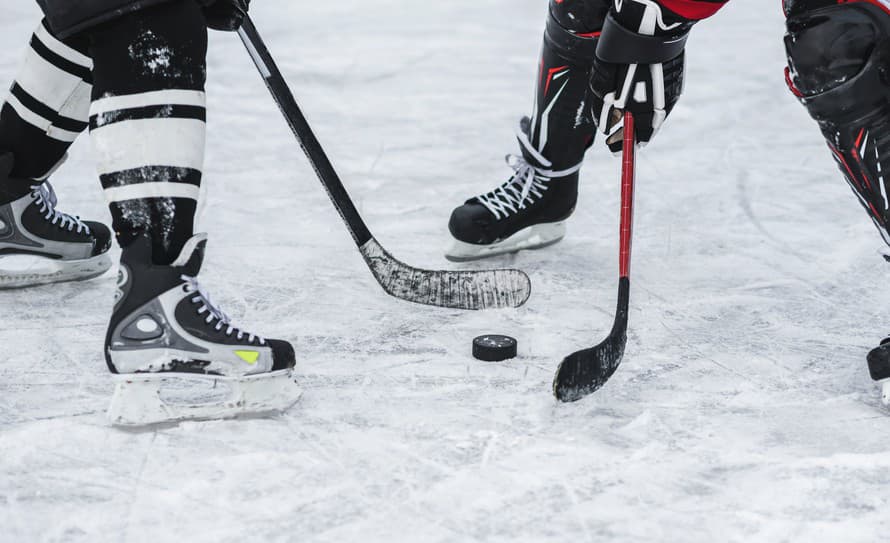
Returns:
(225, 15)
(639, 67)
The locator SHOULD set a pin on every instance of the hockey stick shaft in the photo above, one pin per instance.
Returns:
(628, 178)
(471, 289)
(625, 242)
(256, 47)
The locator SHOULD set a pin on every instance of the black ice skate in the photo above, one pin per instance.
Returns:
(165, 327)
(527, 212)
(879, 368)
(39, 244)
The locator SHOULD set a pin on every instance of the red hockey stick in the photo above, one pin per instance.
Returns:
(585, 372)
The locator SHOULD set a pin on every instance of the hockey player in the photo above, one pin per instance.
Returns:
(838, 65)
(133, 71)
(38, 122)
(529, 211)
(632, 52)
(838, 61)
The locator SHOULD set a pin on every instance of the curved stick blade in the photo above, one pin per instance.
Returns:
(584, 372)
(473, 289)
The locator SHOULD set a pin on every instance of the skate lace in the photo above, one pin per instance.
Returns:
(45, 196)
(527, 183)
(214, 313)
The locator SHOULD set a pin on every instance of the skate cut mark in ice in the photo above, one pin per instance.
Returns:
(488, 289)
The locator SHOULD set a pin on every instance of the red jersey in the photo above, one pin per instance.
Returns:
(693, 9)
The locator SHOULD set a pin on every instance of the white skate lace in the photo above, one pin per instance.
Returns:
(215, 313)
(45, 196)
(527, 183)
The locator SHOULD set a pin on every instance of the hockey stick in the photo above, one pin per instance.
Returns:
(585, 372)
(482, 289)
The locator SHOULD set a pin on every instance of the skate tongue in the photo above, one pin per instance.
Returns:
(529, 153)
(192, 255)
(535, 158)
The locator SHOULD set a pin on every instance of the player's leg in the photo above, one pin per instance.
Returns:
(45, 111)
(839, 57)
(147, 124)
(529, 210)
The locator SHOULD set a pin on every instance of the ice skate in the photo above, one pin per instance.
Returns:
(527, 212)
(166, 333)
(879, 368)
(39, 244)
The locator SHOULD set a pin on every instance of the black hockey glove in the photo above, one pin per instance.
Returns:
(639, 67)
(226, 15)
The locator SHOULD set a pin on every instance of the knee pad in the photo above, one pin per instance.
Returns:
(571, 26)
(839, 67)
(838, 58)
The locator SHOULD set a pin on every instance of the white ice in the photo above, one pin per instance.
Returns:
(743, 411)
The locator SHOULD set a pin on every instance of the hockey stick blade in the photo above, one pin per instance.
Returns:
(584, 372)
(473, 289)
(486, 289)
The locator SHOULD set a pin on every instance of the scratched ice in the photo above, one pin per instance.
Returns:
(743, 411)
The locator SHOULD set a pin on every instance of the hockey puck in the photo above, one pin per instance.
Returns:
(494, 348)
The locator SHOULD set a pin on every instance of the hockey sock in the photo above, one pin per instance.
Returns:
(147, 122)
(46, 110)
(561, 124)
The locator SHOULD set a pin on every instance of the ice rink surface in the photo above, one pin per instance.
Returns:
(743, 411)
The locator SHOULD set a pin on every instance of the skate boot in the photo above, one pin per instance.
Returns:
(39, 244)
(530, 209)
(165, 330)
(527, 212)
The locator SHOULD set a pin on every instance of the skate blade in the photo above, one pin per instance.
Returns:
(885, 391)
(20, 271)
(533, 237)
(146, 399)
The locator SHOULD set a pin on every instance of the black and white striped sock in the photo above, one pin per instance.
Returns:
(147, 122)
(47, 106)
(149, 150)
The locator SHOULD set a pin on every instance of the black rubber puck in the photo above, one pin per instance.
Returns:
(494, 348)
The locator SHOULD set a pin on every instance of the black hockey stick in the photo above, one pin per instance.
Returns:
(483, 289)
(585, 372)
